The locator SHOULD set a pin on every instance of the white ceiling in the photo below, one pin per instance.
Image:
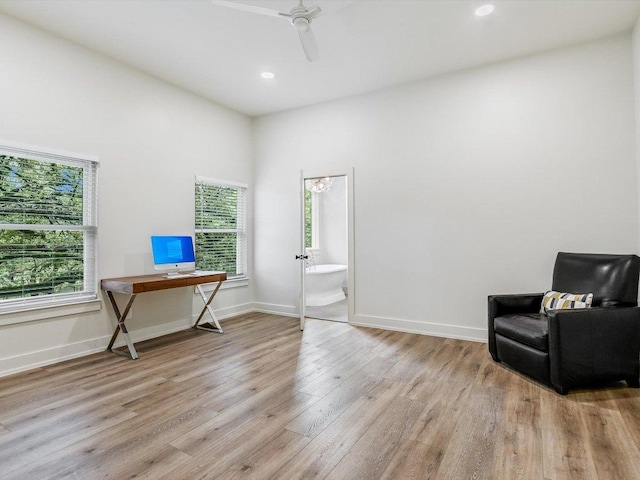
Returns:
(364, 45)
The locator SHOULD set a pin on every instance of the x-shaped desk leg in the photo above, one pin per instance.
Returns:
(122, 326)
(209, 327)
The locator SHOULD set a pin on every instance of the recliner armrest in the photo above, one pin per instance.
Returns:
(593, 343)
(500, 305)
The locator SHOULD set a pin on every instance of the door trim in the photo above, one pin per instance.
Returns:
(349, 174)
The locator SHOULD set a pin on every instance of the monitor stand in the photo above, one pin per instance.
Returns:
(176, 274)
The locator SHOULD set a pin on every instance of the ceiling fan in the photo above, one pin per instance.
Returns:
(299, 16)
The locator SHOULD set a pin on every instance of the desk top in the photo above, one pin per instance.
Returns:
(153, 282)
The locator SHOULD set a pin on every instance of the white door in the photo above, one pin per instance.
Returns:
(308, 236)
(302, 256)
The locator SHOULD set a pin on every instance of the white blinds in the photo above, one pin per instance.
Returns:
(220, 226)
(48, 228)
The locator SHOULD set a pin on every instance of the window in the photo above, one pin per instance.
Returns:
(221, 237)
(48, 228)
(308, 219)
(311, 219)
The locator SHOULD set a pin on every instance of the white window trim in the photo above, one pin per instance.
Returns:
(216, 181)
(26, 310)
(234, 282)
(45, 312)
(42, 153)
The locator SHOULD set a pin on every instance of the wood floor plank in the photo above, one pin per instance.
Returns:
(176, 397)
(243, 441)
(151, 464)
(267, 460)
(19, 449)
(441, 369)
(21, 381)
(517, 452)
(414, 461)
(372, 453)
(278, 381)
(338, 374)
(471, 449)
(328, 448)
(30, 404)
(608, 441)
(565, 448)
(520, 440)
(113, 450)
(410, 365)
(315, 419)
(444, 404)
(627, 402)
(213, 433)
(267, 401)
(522, 403)
(81, 401)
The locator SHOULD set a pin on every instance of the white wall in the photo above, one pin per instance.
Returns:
(152, 139)
(636, 78)
(465, 185)
(333, 223)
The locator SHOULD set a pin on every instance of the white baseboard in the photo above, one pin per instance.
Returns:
(423, 328)
(48, 356)
(274, 309)
(40, 358)
(384, 323)
(227, 312)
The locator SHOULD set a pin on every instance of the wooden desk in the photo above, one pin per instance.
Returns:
(150, 283)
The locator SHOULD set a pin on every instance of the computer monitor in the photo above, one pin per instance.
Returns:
(173, 254)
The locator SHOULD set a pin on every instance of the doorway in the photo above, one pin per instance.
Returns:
(327, 275)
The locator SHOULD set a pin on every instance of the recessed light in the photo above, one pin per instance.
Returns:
(484, 10)
(267, 75)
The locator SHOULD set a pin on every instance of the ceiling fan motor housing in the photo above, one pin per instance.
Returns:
(300, 16)
(301, 23)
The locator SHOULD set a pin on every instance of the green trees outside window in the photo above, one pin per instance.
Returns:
(220, 212)
(308, 220)
(43, 235)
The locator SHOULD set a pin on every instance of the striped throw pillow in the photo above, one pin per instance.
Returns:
(558, 301)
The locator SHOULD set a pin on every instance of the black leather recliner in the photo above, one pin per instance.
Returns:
(574, 348)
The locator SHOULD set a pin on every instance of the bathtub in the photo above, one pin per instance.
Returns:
(323, 284)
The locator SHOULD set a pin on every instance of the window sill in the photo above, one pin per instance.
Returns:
(232, 283)
(43, 312)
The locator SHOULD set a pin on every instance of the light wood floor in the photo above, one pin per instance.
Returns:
(266, 401)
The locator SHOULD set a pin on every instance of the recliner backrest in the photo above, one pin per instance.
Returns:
(613, 279)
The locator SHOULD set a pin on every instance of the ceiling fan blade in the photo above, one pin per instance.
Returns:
(308, 41)
(249, 8)
(313, 12)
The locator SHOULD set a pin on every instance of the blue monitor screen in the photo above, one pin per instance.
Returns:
(172, 249)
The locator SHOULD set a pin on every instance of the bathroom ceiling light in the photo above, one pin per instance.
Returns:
(485, 10)
(268, 75)
(318, 185)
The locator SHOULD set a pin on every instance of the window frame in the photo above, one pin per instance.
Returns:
(89, 164)
(240, 230)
